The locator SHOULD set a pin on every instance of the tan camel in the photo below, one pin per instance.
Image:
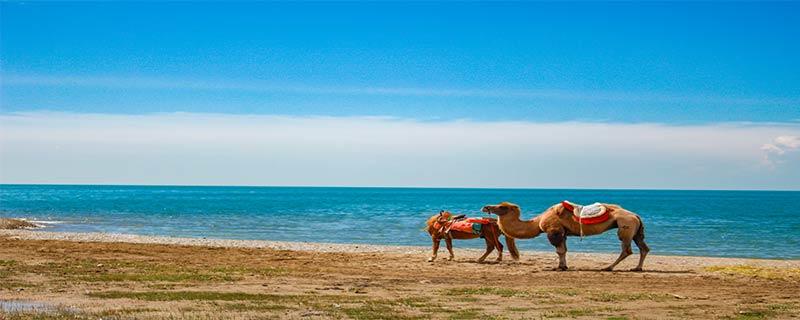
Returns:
(558, 223)
(490, 232)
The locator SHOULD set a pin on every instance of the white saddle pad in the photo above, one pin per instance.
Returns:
(584, 212)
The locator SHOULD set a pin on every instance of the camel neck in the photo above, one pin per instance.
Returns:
(511, 225)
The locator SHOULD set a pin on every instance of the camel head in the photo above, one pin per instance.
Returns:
(441, 217)
(502, 209)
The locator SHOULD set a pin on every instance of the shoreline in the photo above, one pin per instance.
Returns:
(653, 260)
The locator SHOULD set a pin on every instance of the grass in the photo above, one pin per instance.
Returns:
(191, 295)
(15, 284)
(267, 272)
(180, 277)
(329, 306)
(609, 297)
(467, 314)
(247, 307)
(505, 292)
(754, 314)
(515, 309)
(780, 307)
(766, 312)
(571, 313)
(96, 271)
(552, 296)
(759, 272)
(373, 311)
(7, 263)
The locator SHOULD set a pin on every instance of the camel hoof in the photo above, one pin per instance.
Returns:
(430, 259)
(560, 268)
(636, 269)
(450, 259)
(607, 269)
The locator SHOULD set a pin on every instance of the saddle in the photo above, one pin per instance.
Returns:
(591, 214)
(447, 222)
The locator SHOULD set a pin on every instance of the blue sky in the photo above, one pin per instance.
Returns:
(626, 67)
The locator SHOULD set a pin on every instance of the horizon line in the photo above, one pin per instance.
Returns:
(381, 187)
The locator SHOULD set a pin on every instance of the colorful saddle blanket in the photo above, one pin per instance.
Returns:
(473, 225)
(591, 214)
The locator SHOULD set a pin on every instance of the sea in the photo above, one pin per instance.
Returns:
(746, 224)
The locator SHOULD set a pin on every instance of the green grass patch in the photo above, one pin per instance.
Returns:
(213, 296)
(571, 313)
(191, 295)
(248, 307)
(760, 272)
(505, 292)
(8, 263)
(466, 314)
(267, 272)
(515, 309)
(15, 284)
(780, 307)
(768, 311)
(753, 314)
(110, 277)
(610, 297)
(369, 311)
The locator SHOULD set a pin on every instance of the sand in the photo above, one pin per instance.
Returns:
(80, 275)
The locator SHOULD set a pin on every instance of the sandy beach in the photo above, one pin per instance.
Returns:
(92, 275)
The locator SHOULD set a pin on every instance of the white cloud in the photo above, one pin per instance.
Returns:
(775, 152)
(189, 148)
(270, 87)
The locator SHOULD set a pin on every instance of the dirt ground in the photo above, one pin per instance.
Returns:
(82, 280)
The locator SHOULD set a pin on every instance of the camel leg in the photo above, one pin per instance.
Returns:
(512, 248)
(643, 248)
(489, 249)
(626, 251)
(449, 242)
(435, 249)
(559, 240)
(499, 247)
(491, 233)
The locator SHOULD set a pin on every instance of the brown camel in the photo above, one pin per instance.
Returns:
(558, 223)
(438, 225)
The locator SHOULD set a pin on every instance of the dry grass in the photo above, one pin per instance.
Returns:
(792, 274)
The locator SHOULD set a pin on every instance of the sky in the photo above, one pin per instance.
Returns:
(503, 95)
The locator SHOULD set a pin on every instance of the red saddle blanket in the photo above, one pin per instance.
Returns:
(470, 225)
(591, 214)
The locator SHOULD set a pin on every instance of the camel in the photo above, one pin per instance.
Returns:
(437, 225)
(558, 223)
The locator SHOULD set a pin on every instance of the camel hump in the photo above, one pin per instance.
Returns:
(595, 210)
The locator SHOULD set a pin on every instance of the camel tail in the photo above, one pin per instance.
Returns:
(640, 231)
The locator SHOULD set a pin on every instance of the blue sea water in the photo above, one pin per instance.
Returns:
(753, 224)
